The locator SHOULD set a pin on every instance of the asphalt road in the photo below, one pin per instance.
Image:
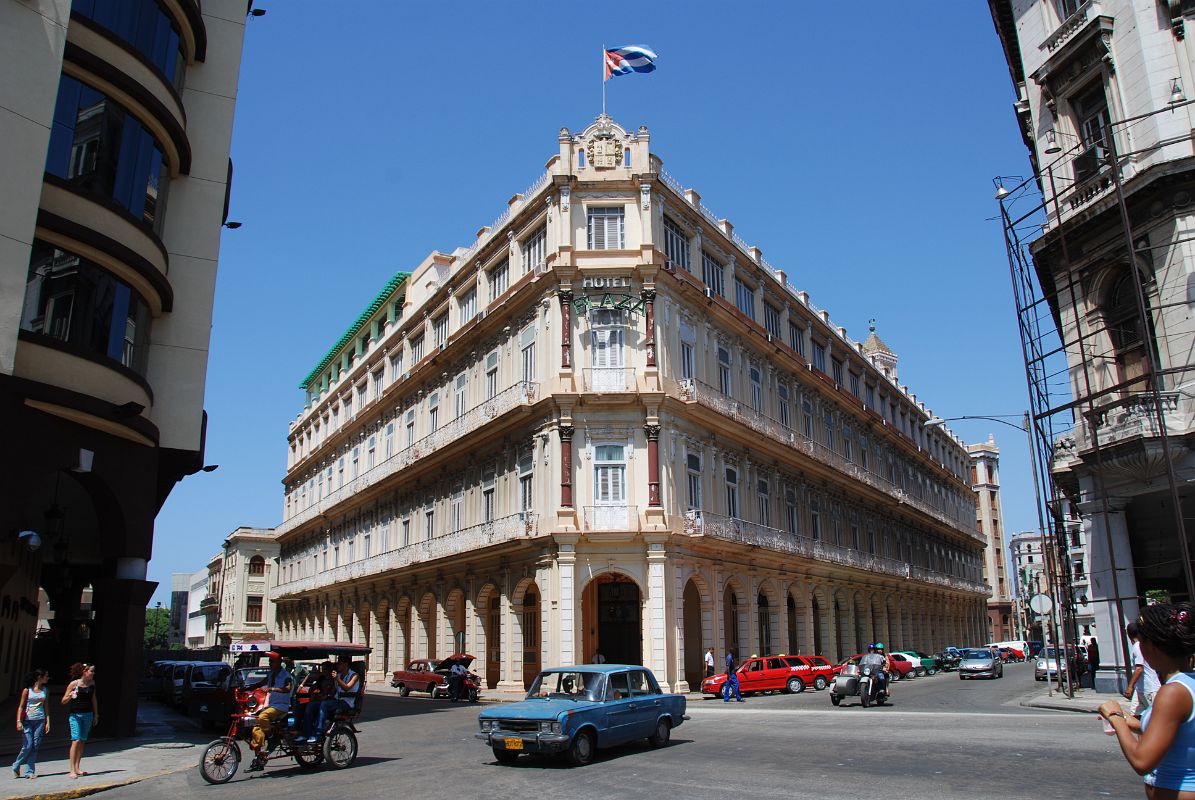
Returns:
(940, 737)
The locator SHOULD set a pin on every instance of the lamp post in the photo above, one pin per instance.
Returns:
(1047, 550)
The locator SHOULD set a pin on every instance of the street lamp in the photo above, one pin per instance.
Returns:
(937, 422)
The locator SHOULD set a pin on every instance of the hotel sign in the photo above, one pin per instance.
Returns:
(623, 300)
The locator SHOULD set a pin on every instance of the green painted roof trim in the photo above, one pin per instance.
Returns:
(380, 300)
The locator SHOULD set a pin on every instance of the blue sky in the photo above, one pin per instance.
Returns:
(854, 146)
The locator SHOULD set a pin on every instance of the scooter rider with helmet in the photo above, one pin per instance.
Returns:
(878, 660)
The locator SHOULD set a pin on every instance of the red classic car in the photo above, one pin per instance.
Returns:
(428, 675)
(776, 673)
(901, 668)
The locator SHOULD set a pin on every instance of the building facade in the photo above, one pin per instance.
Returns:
(1029, 562)
(180, 598)
(609, 425)
(989, 520)
(1101, 90)
(117, 126)
(196, 631)
(240, 581)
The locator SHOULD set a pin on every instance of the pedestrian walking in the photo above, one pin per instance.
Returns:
(80, 700)
(732, 680)
(709, 662)
(1159, 745)
(32, 722)
(1093, 658)
(1144, 683)
(598, 658)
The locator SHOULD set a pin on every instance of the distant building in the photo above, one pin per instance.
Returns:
(1030, 564)
(238, 583)
(196, 628)
(989, 520)
(180, 595)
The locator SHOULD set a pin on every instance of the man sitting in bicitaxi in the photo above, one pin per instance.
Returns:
(347, 687)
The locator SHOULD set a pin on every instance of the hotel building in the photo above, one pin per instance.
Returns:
(989, 520)
(609, 425)
(116, 119)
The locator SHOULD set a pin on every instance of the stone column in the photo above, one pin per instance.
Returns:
(649, 341)
(566, 560)
(566, 329)
(655, 643)
(1100, 530)
(566, 465)
(119, 605)
(511, 678)
(653, 464)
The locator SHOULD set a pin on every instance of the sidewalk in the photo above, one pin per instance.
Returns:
(165, 742)
(1085, 701)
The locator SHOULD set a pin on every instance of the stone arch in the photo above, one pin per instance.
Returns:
(612, 606)
(454, 613)
(426, 633)
(379, 659)
(822, 609)
(768, 610)
(695, 611)
(796, 602)
(861, 610)
(400, 639)
(734, 616)
(527, 627)
(488, 608)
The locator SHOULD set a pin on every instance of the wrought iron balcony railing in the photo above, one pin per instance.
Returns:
(520, 394)
(730, 529)
(505, 529)
(611, 517)
(697, 392)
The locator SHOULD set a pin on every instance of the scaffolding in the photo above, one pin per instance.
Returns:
(1068, 357)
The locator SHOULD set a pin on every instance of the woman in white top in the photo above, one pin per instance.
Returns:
(32, 721)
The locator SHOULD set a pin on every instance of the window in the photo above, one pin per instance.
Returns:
(756, 390)
(676, 245)
(732, 492)
(782, 405)
(440, 329)
(819, 356)
(143, 25)
(1124, 327)
(257, 566)
(429, 523)
(459, 396)
(396, 367)
(101, 149)
(791, 512)
(356, 463)
(609, 474)
(693, 464)
(848, 443)
(499, 280)
(416, 350)
(527, 353)
(712, 274)
(389, 451)
(815, 521)
(807, 417)
(534, 250)
(371, 452)
(855, 385)
(410, 427)
(763, 503)
(606, 352)
(871, 397)
(1067, 7)
(744, 298)
(771, 320)
(487, 503)
(688, 338)
(253, 606)
(365, 545)
(362, 395)
(406, 532)
(724, 385)
(526, 465)
(73, 300)
(838, 373)
(468, 305)
(458, 511)
(796, 338)
(491, 375)
(433, 412)
(828, 424)
(1092, 118)
(606, 228)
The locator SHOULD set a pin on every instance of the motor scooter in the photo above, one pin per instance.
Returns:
(862, 682)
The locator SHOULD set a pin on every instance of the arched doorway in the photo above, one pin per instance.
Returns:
(694, 653)
(489, 608)
(613, 616)
(454, 609)
(733, 619)
(817, 627)
(840, 621)
(794, 630)
(427, 625)
(531, 635)
(764, 618)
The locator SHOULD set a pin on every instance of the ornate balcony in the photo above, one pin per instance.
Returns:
(729, 529)
(505, 529)
(520, 394)
(609, 380)
(1126, 420)
(693, 391)
(611, 518)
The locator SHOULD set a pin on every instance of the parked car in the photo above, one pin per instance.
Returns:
(577, 710)
(775, 674)
(922, 664)
(1047, 664)
(419, 676)
(203, 684)
(980, 663)
(1034, 648)
(906, 665)
(948, 659)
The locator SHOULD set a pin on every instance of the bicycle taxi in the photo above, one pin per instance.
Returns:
(337, 747)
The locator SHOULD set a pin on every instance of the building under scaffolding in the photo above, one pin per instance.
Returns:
(1108, 347)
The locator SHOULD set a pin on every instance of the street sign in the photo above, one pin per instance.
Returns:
(1041, 603)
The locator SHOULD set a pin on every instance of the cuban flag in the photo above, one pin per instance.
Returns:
(625, 60)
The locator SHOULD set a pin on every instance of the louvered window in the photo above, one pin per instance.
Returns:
(606, 228)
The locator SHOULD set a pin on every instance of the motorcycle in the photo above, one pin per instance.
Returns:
(947, 661)
(337, 748)
(862, 682)
(470, 688)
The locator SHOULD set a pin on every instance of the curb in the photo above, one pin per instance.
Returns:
(85, 791)
(1057, 706)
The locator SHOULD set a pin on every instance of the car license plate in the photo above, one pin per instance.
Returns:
(513, 743)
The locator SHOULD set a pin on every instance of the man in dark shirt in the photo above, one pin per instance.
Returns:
(732, 679)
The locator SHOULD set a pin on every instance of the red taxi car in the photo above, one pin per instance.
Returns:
(776, 673)
(419, 676)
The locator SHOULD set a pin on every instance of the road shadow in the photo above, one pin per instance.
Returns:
(548, 761)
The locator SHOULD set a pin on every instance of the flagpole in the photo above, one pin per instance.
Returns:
(603, 80)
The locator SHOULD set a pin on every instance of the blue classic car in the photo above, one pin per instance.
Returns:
(576, 710)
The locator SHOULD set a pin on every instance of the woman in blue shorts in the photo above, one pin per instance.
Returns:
(1161, 745)
(80, 700)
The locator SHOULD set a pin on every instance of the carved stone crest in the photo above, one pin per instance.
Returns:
(604, 151)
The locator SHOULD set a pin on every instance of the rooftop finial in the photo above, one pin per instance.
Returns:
(871, 325)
